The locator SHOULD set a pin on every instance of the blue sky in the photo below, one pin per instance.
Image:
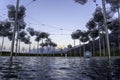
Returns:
(60, 17)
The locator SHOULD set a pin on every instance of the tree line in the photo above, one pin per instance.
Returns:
(94, 39)
(22, 34)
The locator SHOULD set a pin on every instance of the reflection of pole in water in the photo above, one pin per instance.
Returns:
(10, 64)
(87, 61)
(8, 69)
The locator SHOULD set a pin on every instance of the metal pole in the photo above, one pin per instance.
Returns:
(106, 29)
(17, 30)
(99, 43)
(2, 46)
(74, 47)
(15, 25)
(99, 40)
(18, 46)
(118, 33)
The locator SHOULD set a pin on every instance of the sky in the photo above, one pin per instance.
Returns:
(57, 17)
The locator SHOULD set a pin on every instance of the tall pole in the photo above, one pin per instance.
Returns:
(2, 46)
(118, 33)
(118, 12)
(74, 47)
(17, 30)
(80, 48)
(99, 39)
(19, 46)
(99, 42)
(106, 29)
(15, 25)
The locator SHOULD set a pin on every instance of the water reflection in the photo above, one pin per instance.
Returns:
(100, 70)
(9, 69)
(116, 71)
(59, 68)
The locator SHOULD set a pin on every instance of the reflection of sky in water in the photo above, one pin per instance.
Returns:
(62, 68)
(58, 68)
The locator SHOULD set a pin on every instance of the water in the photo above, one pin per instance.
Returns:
(59, 68)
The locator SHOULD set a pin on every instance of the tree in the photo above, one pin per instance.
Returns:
(2, 35)
(114, 26)
(69, 48)
(115, 5)
(79, 34)
(81, 1)
(31, 33)
(26, 40)
(106, 29)
(105, 22)
(75, 35)
(9, 34)
(37, 39)
(52, 45)
(21, 26)
(5, 28)
(15, 15)
(48, 42)
(12, 10)
(21, 37)
(98, 18)
(84, 38)
(43, 35)
(43, 45)
(93, 35)
(91, 25)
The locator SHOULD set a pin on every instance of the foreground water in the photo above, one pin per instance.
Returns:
(59, 68)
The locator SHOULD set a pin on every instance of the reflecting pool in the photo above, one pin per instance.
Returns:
(59, 68)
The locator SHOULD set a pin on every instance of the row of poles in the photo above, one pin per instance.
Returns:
(105, 24)
(106, 29)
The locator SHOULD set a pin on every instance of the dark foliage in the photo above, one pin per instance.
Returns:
(94, 33)
(12, 10)
(81, 1)
(91, 24)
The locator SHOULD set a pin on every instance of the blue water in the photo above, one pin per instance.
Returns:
(59, 68)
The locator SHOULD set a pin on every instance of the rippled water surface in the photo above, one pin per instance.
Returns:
(59, 68)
